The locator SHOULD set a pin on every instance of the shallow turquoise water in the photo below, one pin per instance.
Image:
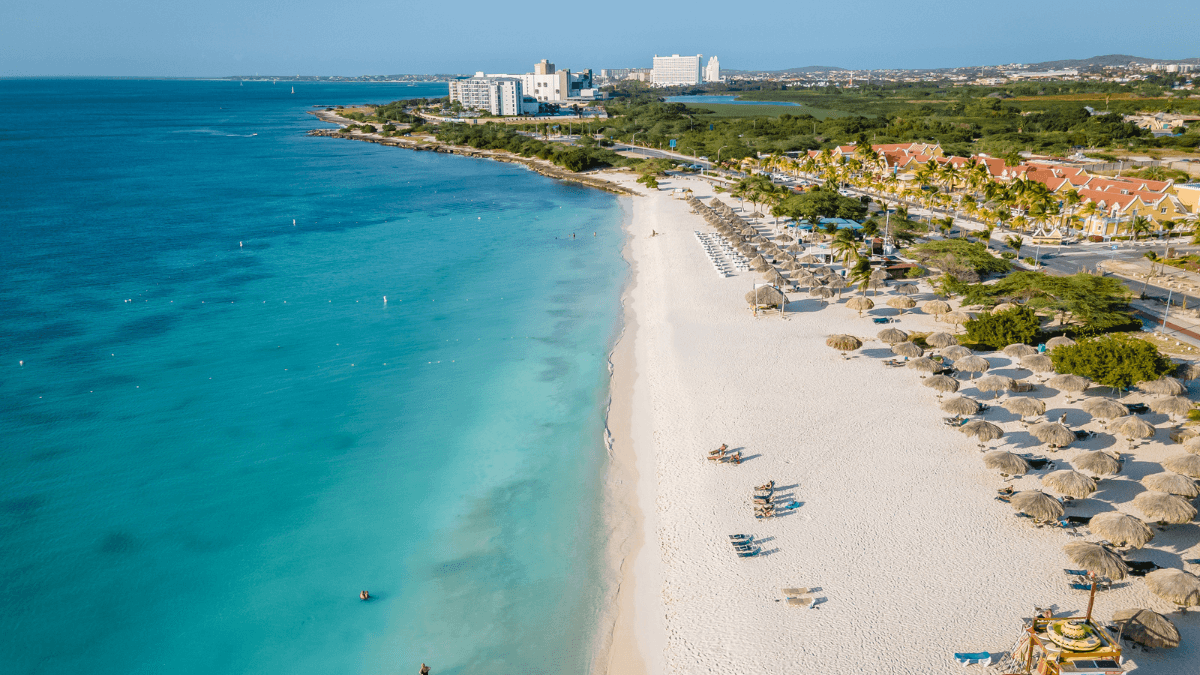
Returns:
(221, 433)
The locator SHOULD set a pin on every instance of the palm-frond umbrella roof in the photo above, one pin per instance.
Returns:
(1147, 628)
(1097, 463)
(940, 340)
(1104, 408)
(1187, 371)
(796, 248)
(1070, 483)
(909, 349)
(1024, 406)
(836, 281)
(860, 303)
(1163, 386)
(762, 267)
(1003, 307)
(1006, 463)
(756, 214)
(879, 273)
(843, 343)
(892, 335)
(972, 364)
(960, 405)
(1172, 405)
(1038, 504)
(1173, 585)
(982, 430)
(956, 352)
(994, 383)
(1060, 341)
(1052, 433)
(1121, 529)
(792, 266)
(775, 278)
(758, 260)
(1190, 443)
(935, 307)
(957, 316)
(820, 292)
(1160, 507)
(924, 364)
(759, 239)
(1172, 484)
(807, 259)
(906, 289)
(766, 296)
(1187, 464)
(1068, 382)
(901, 302)
(1038, 363)
(941, 383)
(785, 238)
(1019, 350)
(1097, 559)
(1131, 426)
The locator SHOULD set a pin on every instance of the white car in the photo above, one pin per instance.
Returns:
(845, 193)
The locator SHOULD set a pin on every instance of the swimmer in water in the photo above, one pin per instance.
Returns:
(364, 596)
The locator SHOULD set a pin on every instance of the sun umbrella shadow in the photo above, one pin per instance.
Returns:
(880, 353)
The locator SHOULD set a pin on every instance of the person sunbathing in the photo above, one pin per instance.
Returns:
(769, 487)
(736, 457)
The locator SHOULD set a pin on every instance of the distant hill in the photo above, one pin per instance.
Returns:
(1102, 61)
(789, 71)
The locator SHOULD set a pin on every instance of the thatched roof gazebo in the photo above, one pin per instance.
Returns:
(1097, 559)
(907, 289)
(956, 352)
(1131, 426)
(957, 317)
(908, 349)
(1024, 406)
(822, 292)
(1053, 434)
(1160, 507)
(1060, 341)
(935, 307)
(1007, 463)
(843, 343)
(892, 335)
(1173, 484)
(924, 364)
(1187, 371)
(1147, 628)
(1039, 505)
(766, 296)
(942, 383)
(1172, 405)
(1163, 386)
(960, 405)
(982, 430)
(861, 303)
(995, 383)
(1177, 586)
(1069, 483)
(1121, 529)
(940, 340)
(1097, 463)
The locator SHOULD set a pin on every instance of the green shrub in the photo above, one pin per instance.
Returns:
(915, 272)
(1001, 329)
(1029, 261)
(1008, 255)
(1117, 361)
(964, 260)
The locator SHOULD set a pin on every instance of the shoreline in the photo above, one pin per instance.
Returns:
(430, 145)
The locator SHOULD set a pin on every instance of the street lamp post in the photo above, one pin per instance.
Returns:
(1166, 311)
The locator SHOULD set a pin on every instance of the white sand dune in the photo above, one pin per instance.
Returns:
(899, 529)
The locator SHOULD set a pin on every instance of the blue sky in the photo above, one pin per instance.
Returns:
(228, 37)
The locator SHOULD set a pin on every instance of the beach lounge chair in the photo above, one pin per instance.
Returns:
(1081, 435)
(802, 601)
(1075, 573)
(973, 658)
(748, 554)
(745, 537)
(795, 592)
(882, 319)
(766, 486)
(954, 421)
(1138, 408)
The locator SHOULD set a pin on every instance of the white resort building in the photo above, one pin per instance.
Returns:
(676, 70)
(504, 94)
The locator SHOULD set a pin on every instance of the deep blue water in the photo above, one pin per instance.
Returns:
(734, 100)
(221, 433)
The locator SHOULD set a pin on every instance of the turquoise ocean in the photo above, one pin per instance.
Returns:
(214, 431)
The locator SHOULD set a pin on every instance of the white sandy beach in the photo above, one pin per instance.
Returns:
(899, 530)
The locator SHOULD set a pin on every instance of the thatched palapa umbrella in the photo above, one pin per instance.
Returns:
(1190, 443)
(925, 365)
(822, 292)
(1147, 628)
(1121, 529)
(942, 383)
(836, 282)
(1069, 383)
(960, 405)
(1188, 465)
(1038, 364)
(1052, 434)
(1003, 307)
(995, 383)
(766, 296)
(972, 364)
(892, 335)
(1187, 371)
(860, 303)
(1172, 484)
(785, 238)
(1024, 406)
(906, 289)
(1163, 386)
(1097, 559)
(1097, 463)
(1069, 483)
(1019, 351)
(956, 352)
(1172, 405)
(908, 349)
(1104, 408)
(901, 302)
(843, 343)
(1007, 463)
(981, 430)
(1060, 341)
(1041, 506)
(941, 340)
(1177, 586)
(1132, 427)
(957, 317)
(935, 307)
(1160, 507)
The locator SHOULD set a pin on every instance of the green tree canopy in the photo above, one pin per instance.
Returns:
(962, 259)
(817, 204)
(1117, 361)
(1099, 304)
(1001, 329)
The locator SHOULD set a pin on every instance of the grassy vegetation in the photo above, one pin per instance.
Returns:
(726, 110)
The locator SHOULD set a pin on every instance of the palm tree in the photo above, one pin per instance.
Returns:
(1140, 224)
(1089, 209)
(809, 165)
(985, 235)
(1014, 242)
(845, 247)
(1020, 223)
